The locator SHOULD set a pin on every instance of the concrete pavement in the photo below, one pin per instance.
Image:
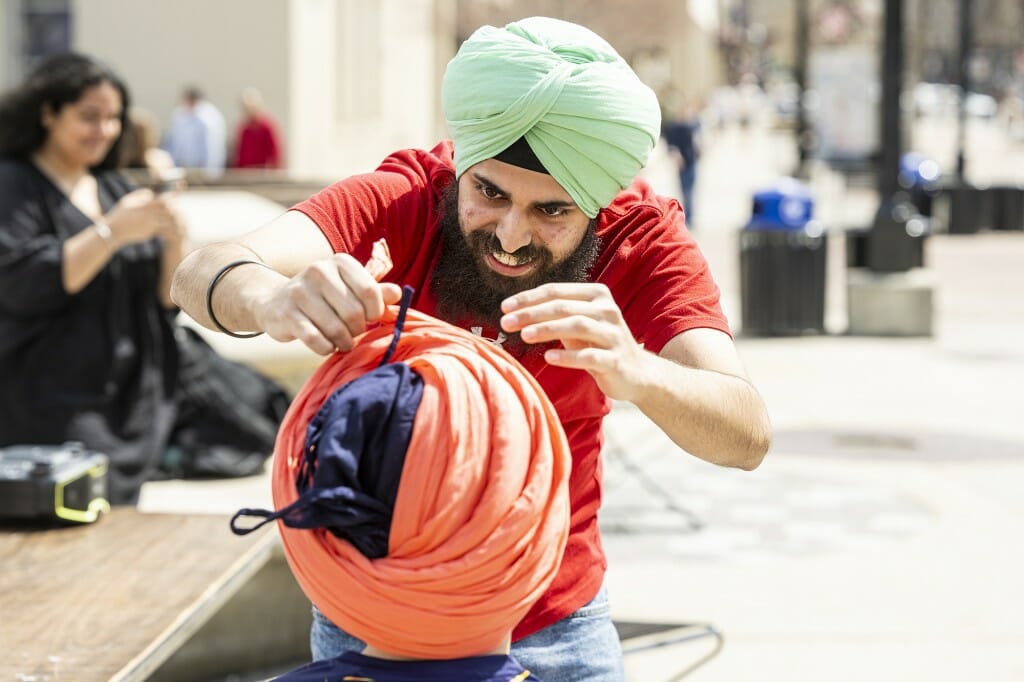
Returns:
(882, 537)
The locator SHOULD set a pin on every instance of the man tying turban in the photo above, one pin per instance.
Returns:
(530, 229)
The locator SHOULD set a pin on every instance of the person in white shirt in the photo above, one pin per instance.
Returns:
(197, 137)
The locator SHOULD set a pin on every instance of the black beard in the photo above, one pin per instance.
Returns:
(469, 292)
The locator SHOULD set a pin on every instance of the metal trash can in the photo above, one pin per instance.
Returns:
(1008, 207)
(782, 264)
(969, 209)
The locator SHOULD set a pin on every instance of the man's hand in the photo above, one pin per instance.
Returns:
(326, 305)
(589, 324)
(695, 390)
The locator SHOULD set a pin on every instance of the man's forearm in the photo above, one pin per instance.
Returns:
(717, 417)
(236, 293)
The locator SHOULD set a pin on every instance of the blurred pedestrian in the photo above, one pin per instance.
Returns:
(683, 136)
(197, 136)
(257, 141)
(141, 151)
(750, 101)
(89, 350)
(1011, 112)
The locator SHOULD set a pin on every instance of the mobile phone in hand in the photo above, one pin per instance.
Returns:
(169, 181)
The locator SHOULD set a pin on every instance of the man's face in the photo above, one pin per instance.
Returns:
(506, 229)
(518, 222)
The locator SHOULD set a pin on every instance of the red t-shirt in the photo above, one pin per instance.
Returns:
(649, 262)
(258, 145)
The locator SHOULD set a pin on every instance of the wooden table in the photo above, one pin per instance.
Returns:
(113, 600)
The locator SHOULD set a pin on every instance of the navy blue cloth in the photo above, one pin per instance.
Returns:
(354, 666)
(354, 453)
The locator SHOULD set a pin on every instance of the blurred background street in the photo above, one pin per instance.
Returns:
(883, 536)
(881, 539)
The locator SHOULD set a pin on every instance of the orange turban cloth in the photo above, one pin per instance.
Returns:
(481, 515)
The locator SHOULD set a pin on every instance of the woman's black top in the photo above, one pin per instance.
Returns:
(98, 366)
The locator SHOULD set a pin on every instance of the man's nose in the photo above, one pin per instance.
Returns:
(513, 231)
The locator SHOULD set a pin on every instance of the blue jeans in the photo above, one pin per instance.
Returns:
(581, 647)
(687, 183)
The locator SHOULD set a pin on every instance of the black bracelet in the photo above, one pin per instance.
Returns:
(209, 297)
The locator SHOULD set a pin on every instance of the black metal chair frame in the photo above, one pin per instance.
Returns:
(636, 637)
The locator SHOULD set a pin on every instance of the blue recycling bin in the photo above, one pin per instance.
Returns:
(782, 263)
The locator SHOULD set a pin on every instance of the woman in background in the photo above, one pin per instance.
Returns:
(87, 344)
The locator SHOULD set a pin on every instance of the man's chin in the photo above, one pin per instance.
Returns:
(510, 286)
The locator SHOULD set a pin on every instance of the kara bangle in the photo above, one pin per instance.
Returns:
(105, 233)
(209, 297)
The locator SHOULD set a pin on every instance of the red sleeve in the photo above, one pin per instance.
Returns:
(656, 271)
(395, 202)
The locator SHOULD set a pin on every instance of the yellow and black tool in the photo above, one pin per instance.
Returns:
(64, 482)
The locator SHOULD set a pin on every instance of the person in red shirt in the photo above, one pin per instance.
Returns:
(529, 228)
(257, 142)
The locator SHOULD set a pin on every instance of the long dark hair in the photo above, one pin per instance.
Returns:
(55, 82)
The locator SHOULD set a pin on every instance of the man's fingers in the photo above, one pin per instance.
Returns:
(341, 298)
(603, 310)
(331, 303)
(392, 293)
(347, 312)
(315, 341)
(329, 322)
(592, 360)
(585, 291)
(577, 328)
(362, 287)
(305, 331)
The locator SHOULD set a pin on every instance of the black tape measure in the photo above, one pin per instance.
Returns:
(65, 482)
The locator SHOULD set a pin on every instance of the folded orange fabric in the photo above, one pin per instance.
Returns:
(481, 516)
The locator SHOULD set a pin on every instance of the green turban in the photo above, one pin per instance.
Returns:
(586, 116)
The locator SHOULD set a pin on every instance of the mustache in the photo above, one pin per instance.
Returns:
(491, 243)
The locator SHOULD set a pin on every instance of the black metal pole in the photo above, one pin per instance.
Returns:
(892, 85)
(964, 80)
(895, 241)
(802, 38)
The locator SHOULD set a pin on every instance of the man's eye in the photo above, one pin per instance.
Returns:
(553, 211)
(489, 191)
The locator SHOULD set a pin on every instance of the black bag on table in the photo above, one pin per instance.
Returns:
(228, 414)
